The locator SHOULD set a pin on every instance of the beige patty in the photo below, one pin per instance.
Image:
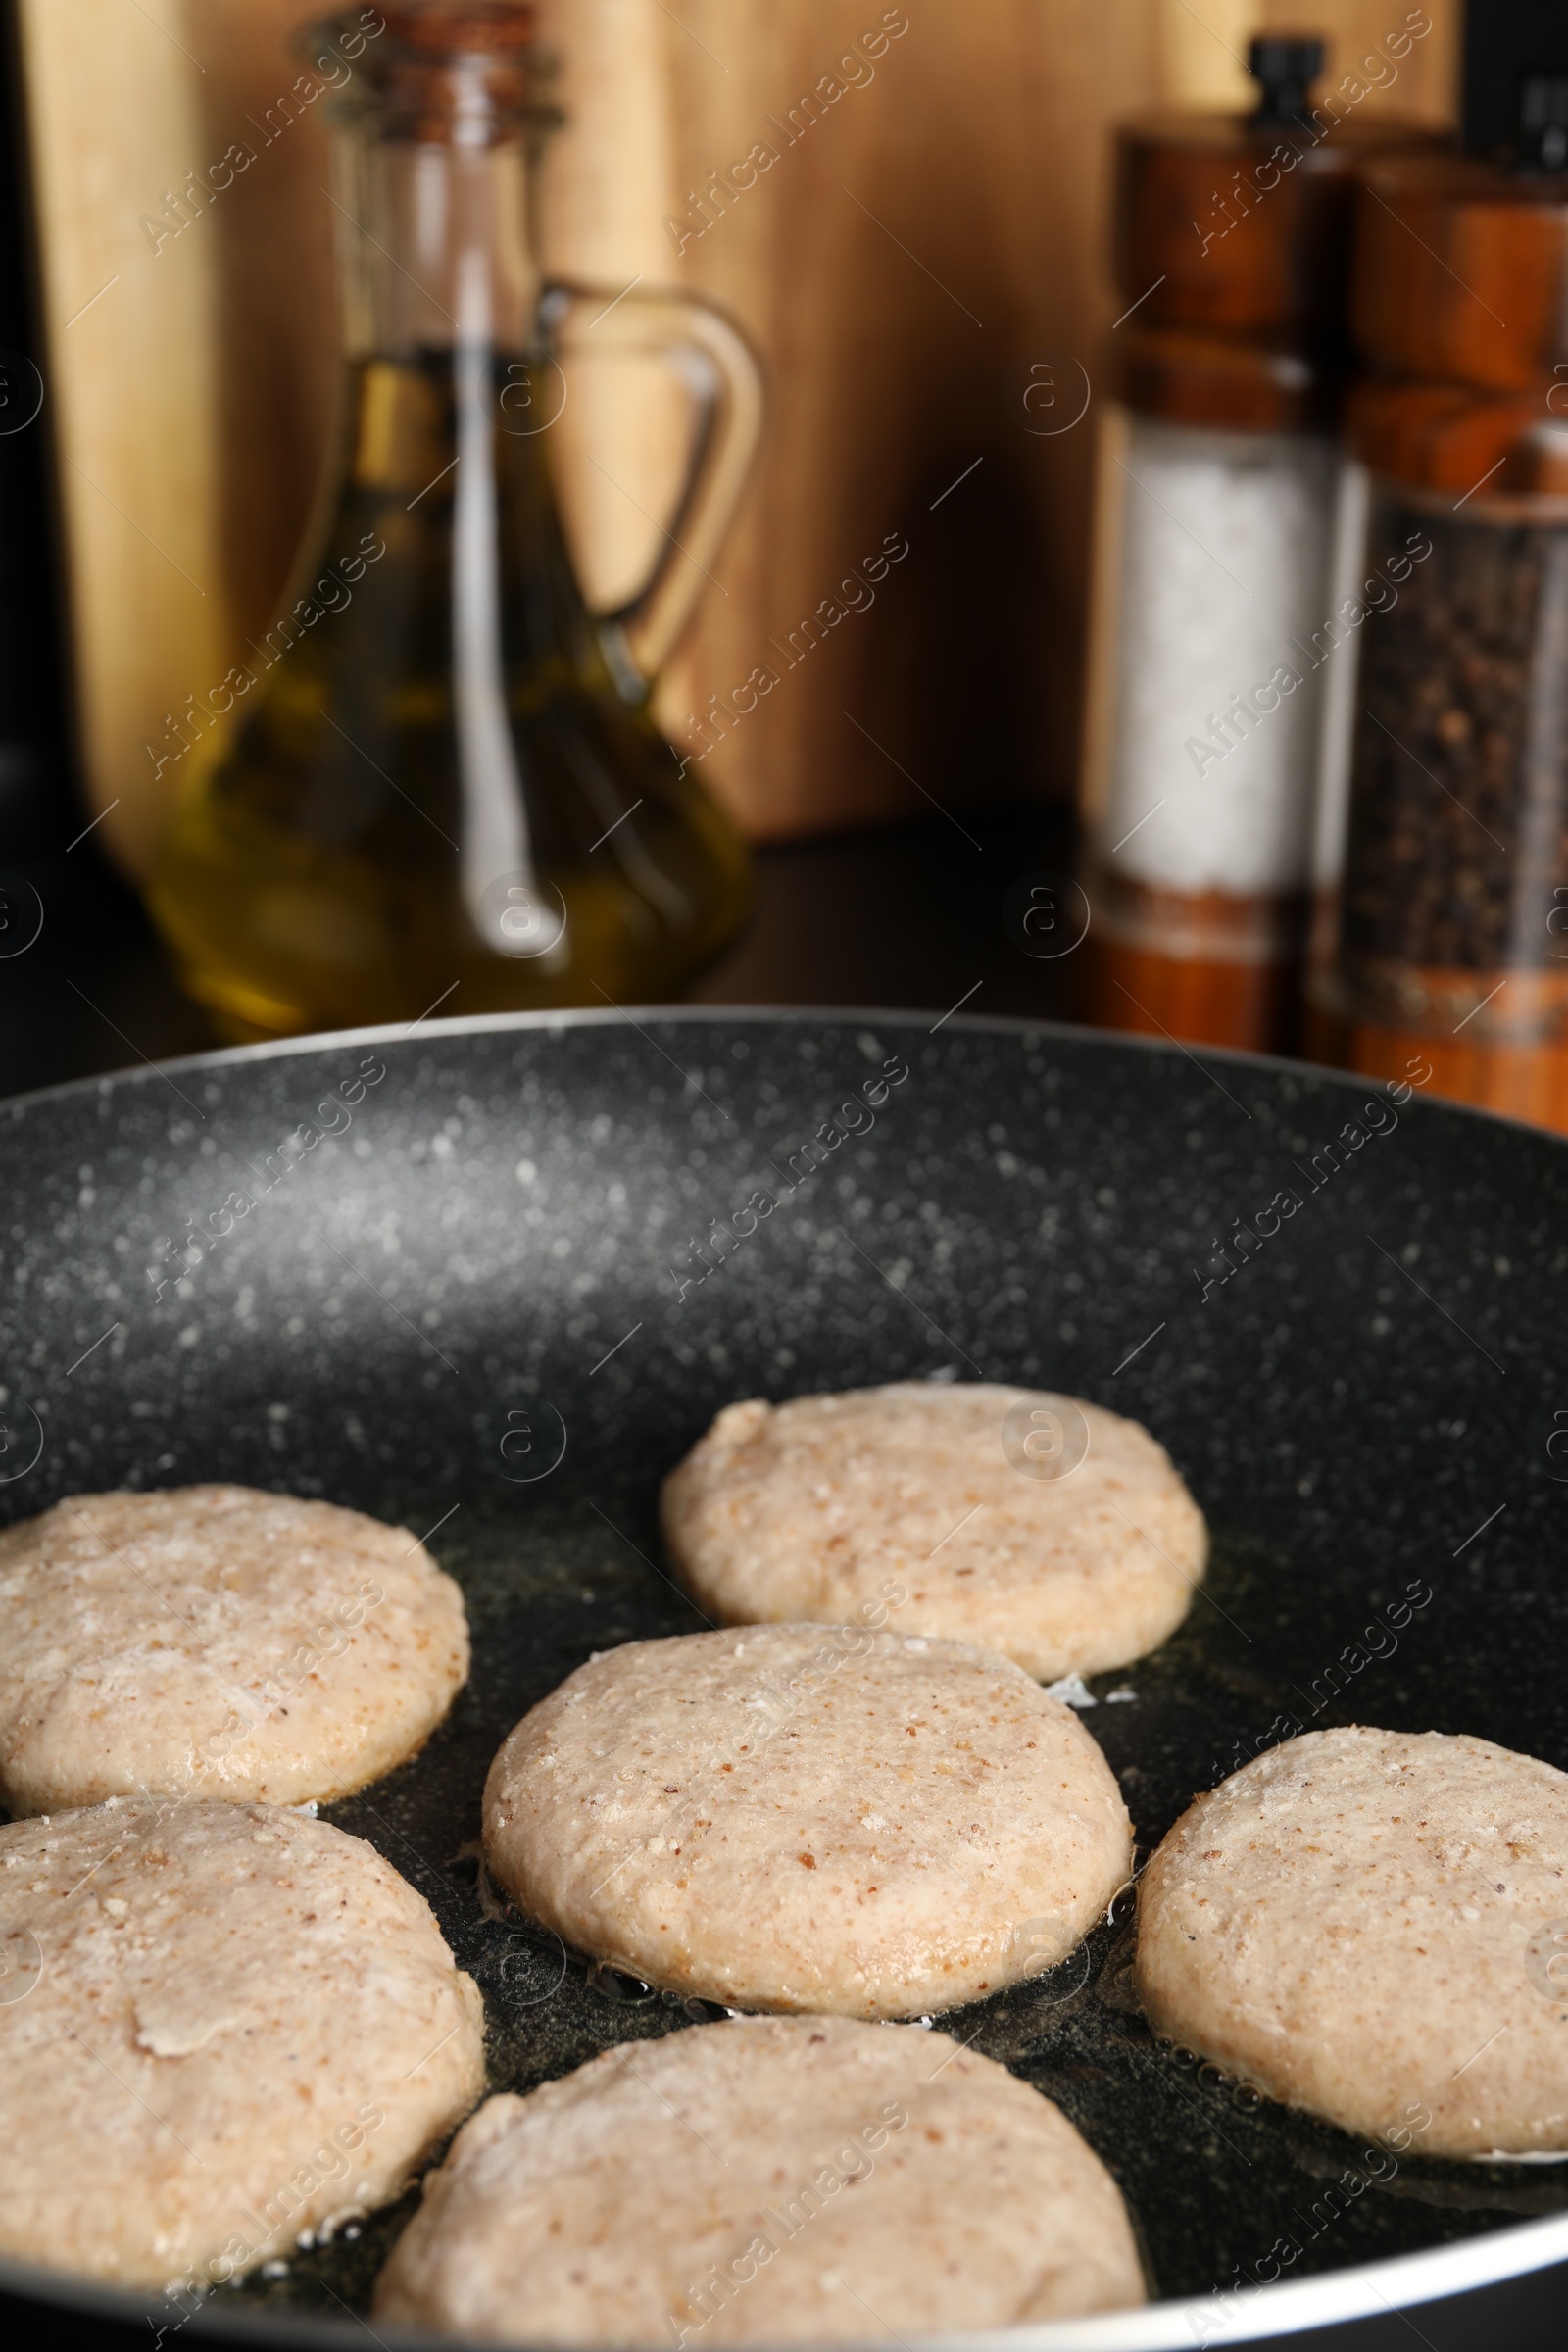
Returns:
(799, 1818)
(765, 2181)
(971, 1511)
(1369, 1924)
(222, 2024)
(215, 1642)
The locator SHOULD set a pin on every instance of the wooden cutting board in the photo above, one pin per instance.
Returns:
(931, 225)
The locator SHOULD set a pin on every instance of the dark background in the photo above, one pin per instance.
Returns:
(913, 916)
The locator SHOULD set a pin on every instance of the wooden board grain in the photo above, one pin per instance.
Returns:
(931, 223)
(130, 367)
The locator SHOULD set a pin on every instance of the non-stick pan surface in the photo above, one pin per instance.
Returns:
(483, 1258)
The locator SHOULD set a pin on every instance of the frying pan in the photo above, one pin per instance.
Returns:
(462, 1294)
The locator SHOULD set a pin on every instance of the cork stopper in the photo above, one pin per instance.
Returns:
(440, 70)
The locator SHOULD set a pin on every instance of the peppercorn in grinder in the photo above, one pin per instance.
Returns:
(1443, 851)
(1214, 514)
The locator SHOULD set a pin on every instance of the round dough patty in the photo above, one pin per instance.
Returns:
(830, 1507)
(1362, 1922)
(791, 1818)
(698, 2189)
(230, 2023)
(216, 1641)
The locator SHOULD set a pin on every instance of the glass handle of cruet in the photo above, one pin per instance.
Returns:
(724, 379)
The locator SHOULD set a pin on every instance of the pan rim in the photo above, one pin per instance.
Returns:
(589, 1016)
(1284, 2308)
(1280, 2310)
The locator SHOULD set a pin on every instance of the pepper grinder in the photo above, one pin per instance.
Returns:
(1443, 840)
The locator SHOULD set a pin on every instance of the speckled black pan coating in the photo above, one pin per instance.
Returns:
(481, 1257)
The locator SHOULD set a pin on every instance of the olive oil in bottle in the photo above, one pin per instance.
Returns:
(441, 787)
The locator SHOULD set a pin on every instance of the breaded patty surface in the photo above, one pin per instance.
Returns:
(1034, 1524)
(784, 2181)
(794, 1817)
(222, 2024)
(1372, 1926)
(216, 1641)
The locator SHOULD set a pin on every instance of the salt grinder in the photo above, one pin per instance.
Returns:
(1218, 479)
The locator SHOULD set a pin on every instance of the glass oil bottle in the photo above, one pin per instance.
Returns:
(438, 783)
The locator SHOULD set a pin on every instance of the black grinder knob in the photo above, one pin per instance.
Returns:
(1283, 64)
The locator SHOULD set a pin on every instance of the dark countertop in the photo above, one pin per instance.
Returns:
(908, 917)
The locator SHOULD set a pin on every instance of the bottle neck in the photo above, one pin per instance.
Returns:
(436, 238)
